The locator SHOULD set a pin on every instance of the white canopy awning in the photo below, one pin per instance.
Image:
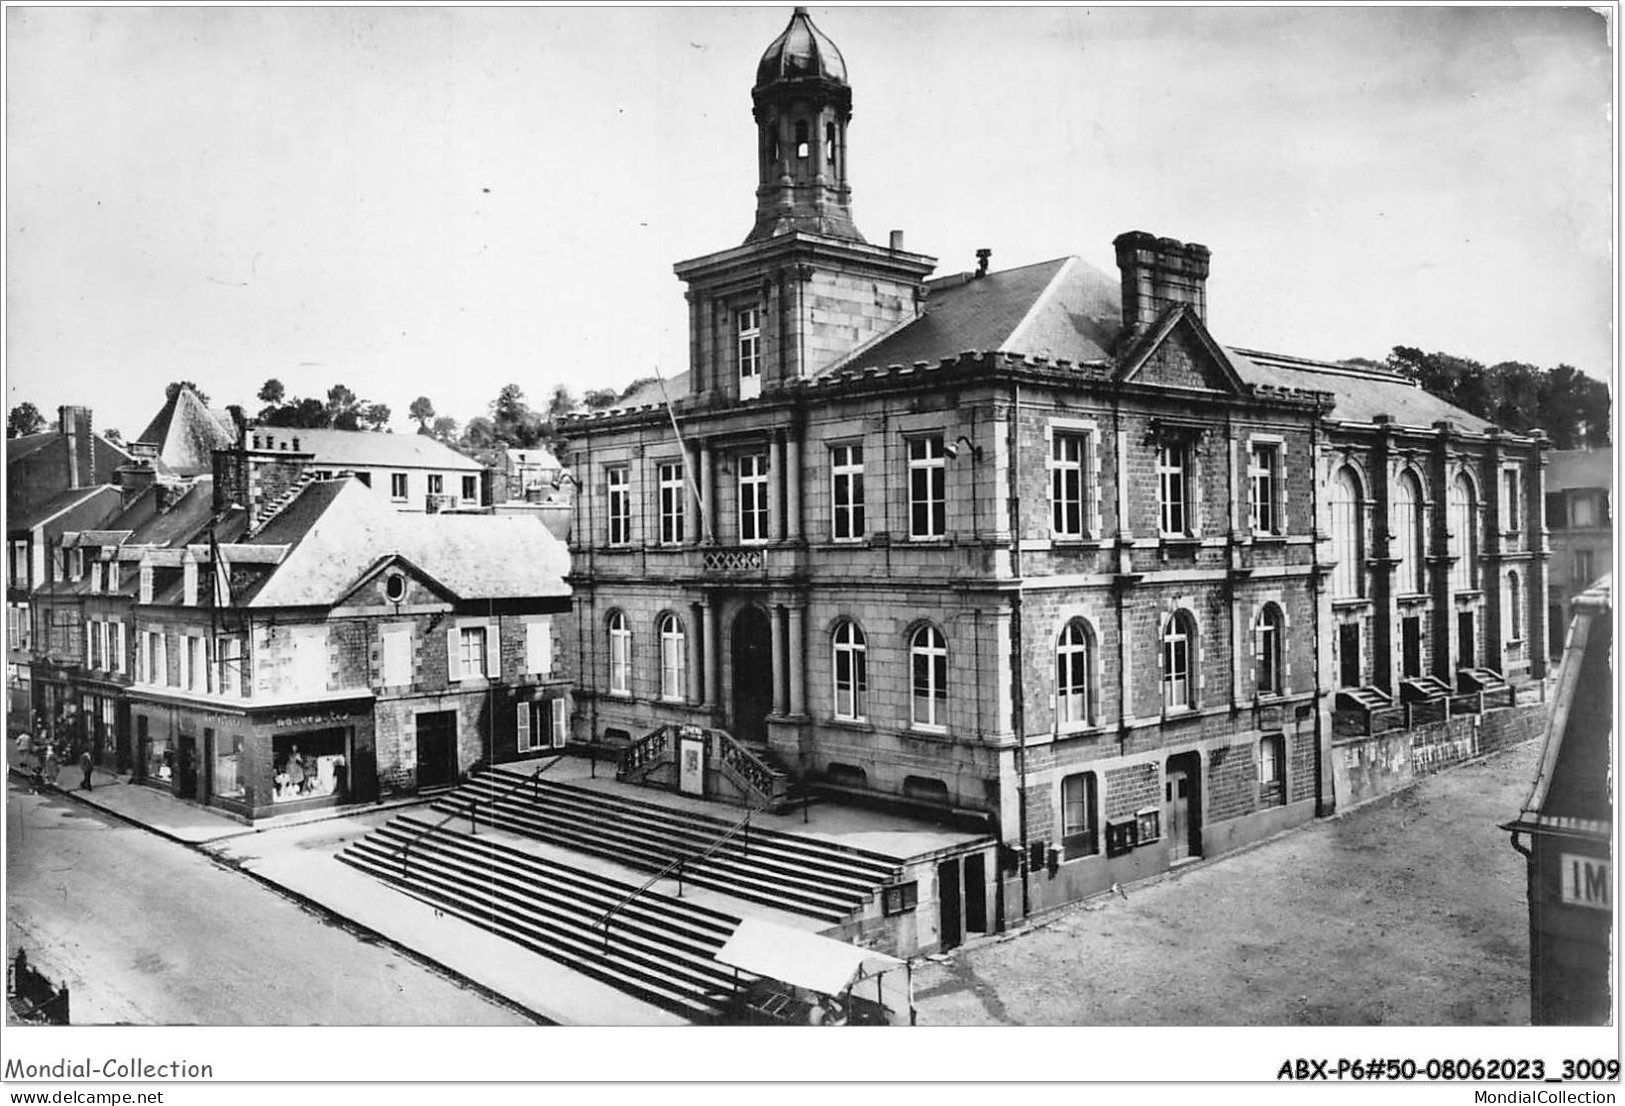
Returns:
(804, 959)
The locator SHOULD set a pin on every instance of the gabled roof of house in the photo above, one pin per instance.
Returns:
(183, 519)
(339, 530)
(1360, 394)
(56, 505)
(1580, 468)
(1063, 309)
(18, 448)
(186, 433)
(366, 449)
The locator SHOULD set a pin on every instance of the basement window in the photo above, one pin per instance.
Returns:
(900, 899)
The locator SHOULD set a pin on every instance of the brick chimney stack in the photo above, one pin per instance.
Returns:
(74, 425)
(1160, 272)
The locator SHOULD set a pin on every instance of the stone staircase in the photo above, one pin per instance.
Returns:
(786, 871)
(657, 948)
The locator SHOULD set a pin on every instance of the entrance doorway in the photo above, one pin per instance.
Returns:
(752, 656)
(976, 893)
(186, 770)
(1466, 639)
(437, 749)
(1348, 654)
(951, 929)
(1410, 646)
(1183, 802)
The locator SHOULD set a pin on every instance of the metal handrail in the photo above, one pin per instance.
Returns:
(742, 824)
(473, 806)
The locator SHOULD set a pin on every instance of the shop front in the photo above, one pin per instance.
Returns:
(258, 762)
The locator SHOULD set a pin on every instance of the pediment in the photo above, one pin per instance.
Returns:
(1178, 352)
(374, 587)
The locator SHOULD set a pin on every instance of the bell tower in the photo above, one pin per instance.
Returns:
(804, 289)
(802, 106)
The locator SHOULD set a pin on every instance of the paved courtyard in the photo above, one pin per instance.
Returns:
(1409, 911)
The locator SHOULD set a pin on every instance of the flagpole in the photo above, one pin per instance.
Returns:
(688, 474)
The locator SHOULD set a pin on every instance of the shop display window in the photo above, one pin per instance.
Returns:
(309, 765)
(230, 768)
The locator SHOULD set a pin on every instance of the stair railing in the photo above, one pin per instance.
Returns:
(741, 827)
(751, 769)
(645, 750)
(473, 807)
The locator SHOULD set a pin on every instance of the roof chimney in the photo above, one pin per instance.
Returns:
(74, 423)
(897, 241)
(1158, 273)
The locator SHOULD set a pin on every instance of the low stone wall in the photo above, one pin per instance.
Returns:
(1366, 768)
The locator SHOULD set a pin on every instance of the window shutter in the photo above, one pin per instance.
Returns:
(163, 660)
(522, 722)
(560, 720)
(90, 628)
(539, 647)
(140, 657)
(493, 650)
(118, 647)
(454, 662)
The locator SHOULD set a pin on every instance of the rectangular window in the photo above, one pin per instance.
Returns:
(1584, 510)
(620, 505)
(19, 564)
(750, 353)
(471, 488)
(397, 485)
(1079, 827)
(228, 653)
(90, 645)
(310, 658)
(437, 484)
(1269, 657)
(1263, 471)
(1583, 567)
(539, 648)
(192, 660)
(753, 522)
(1173, 488)
(1069, 461)
(671, 502)
(117, 639)
(846, 492)
(397, 657)
(1272, 769)
(1509, 500)
(155, 657)
(537, 725)
(927, 488)
(471, 652)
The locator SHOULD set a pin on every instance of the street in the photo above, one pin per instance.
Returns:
(145, 931)
(1409, 911)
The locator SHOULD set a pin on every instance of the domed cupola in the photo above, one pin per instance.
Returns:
(802, 107)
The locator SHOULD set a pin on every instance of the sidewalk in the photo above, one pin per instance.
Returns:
(297, 855)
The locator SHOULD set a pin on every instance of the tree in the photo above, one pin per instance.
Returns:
(445, 429)
(271, 392)
(422, 410)
(24, 419)
(177, 385)
(1572, 408)
(375, 416)
(480, 433)
(343, 408)
(513, 423)
(112, 434)
(597, 399)
(560, 403)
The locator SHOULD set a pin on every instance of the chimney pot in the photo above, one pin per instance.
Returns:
(896, 240)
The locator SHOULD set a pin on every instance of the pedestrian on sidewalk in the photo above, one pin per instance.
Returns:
(53, 767)
(85, 765)
(25, 752)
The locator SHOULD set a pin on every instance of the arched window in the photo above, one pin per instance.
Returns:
(928, 657)
(829, 146)
(1268, 641)
(1463, 518)
(1344, 508)
(851, 672)
(673, 657)
(1514, 607)
(1179, 662)
(620, 654)
(1409, 535)
(803, 140)
(1074, 674)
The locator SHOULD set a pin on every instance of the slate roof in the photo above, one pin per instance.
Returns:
(1580, 468)
(18, 448)
(649, 392)
(1360, 394)
(185, 519)
(62, 501)
(1063, 309)
(339, 530)
(364, 449)
(186, 433)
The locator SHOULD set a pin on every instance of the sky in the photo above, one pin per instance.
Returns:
(441, 201)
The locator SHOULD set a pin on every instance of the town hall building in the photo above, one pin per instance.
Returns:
(1031, 551)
